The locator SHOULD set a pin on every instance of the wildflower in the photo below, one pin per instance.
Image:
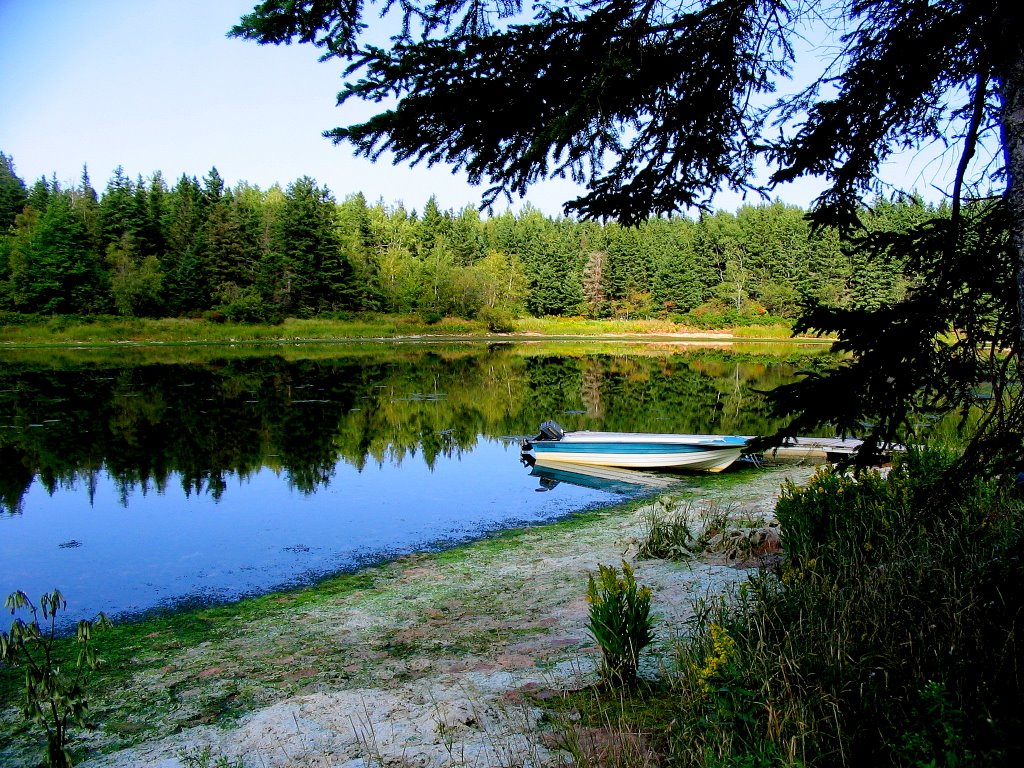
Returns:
(723, 648)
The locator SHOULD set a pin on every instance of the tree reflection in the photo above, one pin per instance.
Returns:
(198, 424)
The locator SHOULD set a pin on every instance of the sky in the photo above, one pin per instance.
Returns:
(155, 85)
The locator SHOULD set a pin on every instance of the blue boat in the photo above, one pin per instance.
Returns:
(638, 450)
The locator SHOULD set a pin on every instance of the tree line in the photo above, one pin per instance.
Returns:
(145, 248)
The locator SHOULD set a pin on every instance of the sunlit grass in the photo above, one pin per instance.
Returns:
(99, 330)
(116, 330)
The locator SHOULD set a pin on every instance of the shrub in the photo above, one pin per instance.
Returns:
(54, 693)
(888, 636)
(497, 320)
(248, 307)
(620, 621)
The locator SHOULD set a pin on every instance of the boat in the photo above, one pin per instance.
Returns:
(638, 450)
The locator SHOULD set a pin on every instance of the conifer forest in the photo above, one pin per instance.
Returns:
(201, 248)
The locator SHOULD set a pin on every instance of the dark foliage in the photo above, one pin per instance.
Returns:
(655, 106)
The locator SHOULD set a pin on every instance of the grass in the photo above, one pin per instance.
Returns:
(30, 330)
(890, 635)
(65, 330)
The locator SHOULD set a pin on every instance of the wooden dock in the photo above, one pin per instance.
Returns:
(819, 449)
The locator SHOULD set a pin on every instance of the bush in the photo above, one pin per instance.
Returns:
(890, 634)
(54, 693)
(497, 320)
(249, 307)
(620, 621)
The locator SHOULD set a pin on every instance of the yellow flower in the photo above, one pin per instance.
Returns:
(723, 648)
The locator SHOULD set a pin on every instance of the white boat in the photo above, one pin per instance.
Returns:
(643, 450)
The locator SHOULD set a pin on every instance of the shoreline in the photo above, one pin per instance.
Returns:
(408, 661)
(491, 338)
(114, 332)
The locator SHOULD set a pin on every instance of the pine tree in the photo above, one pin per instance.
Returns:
(87, 203)
(433, 226)
(153, 235)
(119, 214)
(54, 268)
(355, 233)
(679, 283)
(13, 194)
(315, 276)
(186, 284)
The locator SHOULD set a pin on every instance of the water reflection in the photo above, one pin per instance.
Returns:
(201, 422)
(612, 479)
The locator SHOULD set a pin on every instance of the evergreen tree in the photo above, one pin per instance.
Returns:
(13, 194)
(679, 283)
(828, 271)
(54, 268)
(356, 236)
(433, 226)
(554, 265)
(119, 214)
(213, 188)
(627, 274)
(465, 237)
(225, 247)
(877, 279)
(87, 204)
(186, 283)
(315, 276)
(775, 239)
(152, 235)
(39, 194)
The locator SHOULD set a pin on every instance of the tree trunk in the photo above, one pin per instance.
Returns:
(1011, 90)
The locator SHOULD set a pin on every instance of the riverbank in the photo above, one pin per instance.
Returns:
(431, 660)
(21, 331)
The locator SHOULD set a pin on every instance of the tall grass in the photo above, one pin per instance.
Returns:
(75, 329)
(890, 634)
(213, 328)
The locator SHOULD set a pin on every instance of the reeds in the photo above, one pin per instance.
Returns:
(887, 635)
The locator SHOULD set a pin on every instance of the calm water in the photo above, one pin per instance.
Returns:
(137, 483)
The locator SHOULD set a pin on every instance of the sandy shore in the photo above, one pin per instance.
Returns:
(439, 663)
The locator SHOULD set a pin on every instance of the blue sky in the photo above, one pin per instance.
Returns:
(156, 85)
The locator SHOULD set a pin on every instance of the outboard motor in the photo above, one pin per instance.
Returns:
(551, 430)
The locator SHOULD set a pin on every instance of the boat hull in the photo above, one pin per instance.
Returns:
(707, 453)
